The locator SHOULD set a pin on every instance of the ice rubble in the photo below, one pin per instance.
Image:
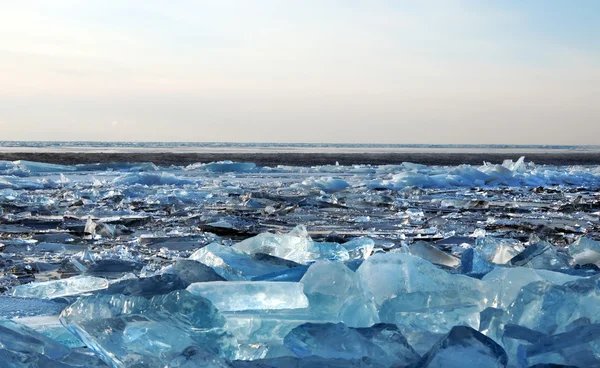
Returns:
(428, 266)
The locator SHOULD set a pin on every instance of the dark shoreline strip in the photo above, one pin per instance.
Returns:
(305, 158)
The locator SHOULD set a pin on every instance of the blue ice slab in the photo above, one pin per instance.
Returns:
(251, 295)
(550, 309)
(233, 264)
(11, 307)
(60, 288)
(578, 347)
(21, 347)
(462, 347)
(473, 264)
(383, 343)
(146, 287)
(541, 255)
(292, 274)
(134, 331)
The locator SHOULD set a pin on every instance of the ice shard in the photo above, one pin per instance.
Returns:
(295, 246)
(505, 283)
(60, 288)
(550, 308)
(464, 346)
(21, 347)
(473, 264)
(233, 264)
(251, 295)
(134, 331)
(432, 254)
(382, 343)
(335, 291)
(541, 255)
(387, 275)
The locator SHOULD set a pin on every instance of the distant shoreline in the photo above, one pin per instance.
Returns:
(301, 157)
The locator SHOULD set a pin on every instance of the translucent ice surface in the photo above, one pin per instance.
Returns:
(251, 295)
(134, 331)
(60, 288)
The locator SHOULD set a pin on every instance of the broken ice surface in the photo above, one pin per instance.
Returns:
(408, 257)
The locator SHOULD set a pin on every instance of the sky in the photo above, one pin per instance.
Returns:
(354, 71)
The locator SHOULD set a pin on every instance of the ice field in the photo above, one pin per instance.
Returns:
(232, 264)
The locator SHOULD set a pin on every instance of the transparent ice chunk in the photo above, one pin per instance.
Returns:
(60, 288)
(251, 295)
(295, 246)
(383, 343)
(233, 264)
(432, 254)
(464, 346)
(134, 331)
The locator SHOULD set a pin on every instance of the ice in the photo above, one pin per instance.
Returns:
(464, 346)
(251, 295)
(151, 179)
(21, 347)
(473, 264)
(60, 288)
(550, 308)
(359, 248)
(335, 292)
(233, 264)
(133, 331)
(432, 254)
(146, 287)
(388, 275)
(498, 251)
(293, 274)
(578, 347)
(541, 255)
(295, 246)
(506, 283)
(384, 246)
(223, 166)
(327, 184)
(383, 343)
(192, 271)
(585, 251)
(51, 327)
(11, 307)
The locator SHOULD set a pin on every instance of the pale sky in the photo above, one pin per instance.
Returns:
(355, 71)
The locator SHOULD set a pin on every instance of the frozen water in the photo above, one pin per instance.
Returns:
(464, 345)
(295, 246)
(146, 287)
(133, 331)
(382, 343)
(233, 264)
(506, 283)
(11, 307)
(550, 308)
(510, 250)
(388, 275)
(473, 264)
(541, 255)
(21, 347)
(432, 254)
(251, 295)
(60, 288)
(499, 251)
(334, 290)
